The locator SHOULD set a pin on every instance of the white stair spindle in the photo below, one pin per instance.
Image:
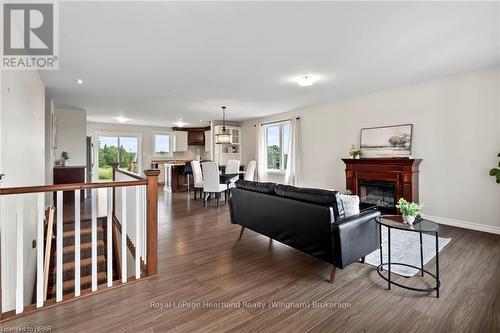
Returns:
(109, 237)
(77, 242)
(94, 239)
(124, 235)
(59, 247)
(20, 255)
(39, 249)
(138, 232)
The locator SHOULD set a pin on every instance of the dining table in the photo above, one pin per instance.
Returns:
(225, 178)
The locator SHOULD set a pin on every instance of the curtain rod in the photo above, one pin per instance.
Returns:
(276, 121)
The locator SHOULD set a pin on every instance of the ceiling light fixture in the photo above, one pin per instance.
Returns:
(180, 123)
(224, 136)
(79, 81)
(122, 119)
(305, 80)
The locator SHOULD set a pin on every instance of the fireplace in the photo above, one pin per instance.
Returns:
(378, 193)
(382, 181)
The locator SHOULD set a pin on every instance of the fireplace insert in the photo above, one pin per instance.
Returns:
(378, 193)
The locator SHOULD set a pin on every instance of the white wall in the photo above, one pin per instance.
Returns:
(23, 161)
(456, 133)
(71, 135)
(49, 151)
(147, 142)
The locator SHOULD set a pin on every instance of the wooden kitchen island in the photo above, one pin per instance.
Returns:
(179, 180)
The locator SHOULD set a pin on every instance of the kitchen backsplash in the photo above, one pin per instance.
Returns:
(192, 153)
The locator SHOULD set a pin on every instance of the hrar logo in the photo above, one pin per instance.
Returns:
(29, 39)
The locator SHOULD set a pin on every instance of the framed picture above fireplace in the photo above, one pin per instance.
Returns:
(386, 141)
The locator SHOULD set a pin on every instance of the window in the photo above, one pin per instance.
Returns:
(123, 149)
(163, 144)
(277, 138)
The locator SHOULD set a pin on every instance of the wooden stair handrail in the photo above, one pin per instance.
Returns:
(69, 187)
(48, 246)
(129, 174)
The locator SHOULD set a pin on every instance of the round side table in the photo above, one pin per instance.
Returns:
(420, 226)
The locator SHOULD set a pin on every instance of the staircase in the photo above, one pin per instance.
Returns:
(129, 195)
(85, 257)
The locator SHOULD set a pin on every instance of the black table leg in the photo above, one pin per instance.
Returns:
(389, 261)
(437, 265)
(421, 254)
(380, 239)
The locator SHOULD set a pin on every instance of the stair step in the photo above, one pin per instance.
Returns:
(84, 246)
(87, 262)
(85, 282)
(85, 251)
(83, 232)
(85, 235)
(85, 268)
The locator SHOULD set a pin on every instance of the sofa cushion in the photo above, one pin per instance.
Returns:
(267, 188)
(312, 195)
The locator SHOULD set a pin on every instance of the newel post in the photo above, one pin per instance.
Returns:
(152, 221)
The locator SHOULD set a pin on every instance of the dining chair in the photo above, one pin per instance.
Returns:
(211, 182)
(249, 174)
(197, 178)
(233, 166)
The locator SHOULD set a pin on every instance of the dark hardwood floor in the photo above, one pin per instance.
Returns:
(202, 260)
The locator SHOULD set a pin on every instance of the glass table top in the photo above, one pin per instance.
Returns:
(420, 225)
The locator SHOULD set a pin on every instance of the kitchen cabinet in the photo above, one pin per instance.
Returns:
(196, 138)
(180, 141)
(228, 151)
(208, 141)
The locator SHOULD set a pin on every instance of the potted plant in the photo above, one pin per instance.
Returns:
(410, 210)
(355, 152)
(495, 172)
(64, 158)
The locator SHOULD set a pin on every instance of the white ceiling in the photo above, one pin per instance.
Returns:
(159, 62)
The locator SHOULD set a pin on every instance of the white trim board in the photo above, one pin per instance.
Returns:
(464, 224)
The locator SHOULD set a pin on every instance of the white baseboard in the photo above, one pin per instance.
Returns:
(464, 224)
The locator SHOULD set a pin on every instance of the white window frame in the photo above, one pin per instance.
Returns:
(95, 140)
(171, 144)
(279, 124)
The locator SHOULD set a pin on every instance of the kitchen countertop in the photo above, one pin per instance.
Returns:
(174, 162)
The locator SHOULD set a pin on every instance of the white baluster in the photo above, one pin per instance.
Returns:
(137, 232)
(59, 247)
(39, 249)
(77, 242)
(20, 255)
(124, 235)
(94, 239)
(109, 237)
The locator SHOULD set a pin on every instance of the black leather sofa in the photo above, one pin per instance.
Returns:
(310, 220)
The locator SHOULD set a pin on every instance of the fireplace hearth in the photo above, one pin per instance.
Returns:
(382, 181)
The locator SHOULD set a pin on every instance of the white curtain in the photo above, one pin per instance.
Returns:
(293, 162)
(260, 151)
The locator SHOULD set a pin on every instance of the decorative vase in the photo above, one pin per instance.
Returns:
(408, 219)
(357, 157)
(63, 162)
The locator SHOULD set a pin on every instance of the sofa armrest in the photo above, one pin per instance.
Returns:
(354, 237)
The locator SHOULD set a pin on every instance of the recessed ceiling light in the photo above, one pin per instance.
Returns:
(201, 120)
(79, 81)
(122, 119)
(180, 123)
(305, 80)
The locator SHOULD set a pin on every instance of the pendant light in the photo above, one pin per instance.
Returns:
(224, 136)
